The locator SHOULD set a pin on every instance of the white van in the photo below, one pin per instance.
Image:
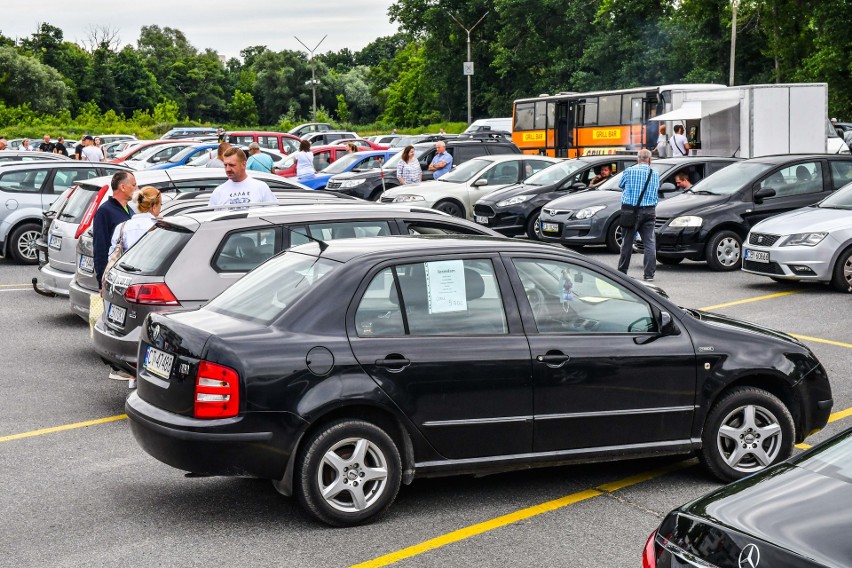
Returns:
(504, 124)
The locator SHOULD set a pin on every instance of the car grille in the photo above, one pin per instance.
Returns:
(659, 222)
(762, 267)
(483, 210)
(333, 185)
(763, 239)
(555, 212)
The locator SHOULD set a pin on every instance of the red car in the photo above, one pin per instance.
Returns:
(362, 144)
(279, 141)
(323, 156)
(129, 153)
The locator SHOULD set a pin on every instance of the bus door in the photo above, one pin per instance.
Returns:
(650, 128)
(564, 128)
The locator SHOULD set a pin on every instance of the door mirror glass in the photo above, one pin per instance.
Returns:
(668, 187)
(763, 193)
(480, 182)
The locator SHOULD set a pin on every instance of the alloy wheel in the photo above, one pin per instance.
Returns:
(353, 475)
(749, 438)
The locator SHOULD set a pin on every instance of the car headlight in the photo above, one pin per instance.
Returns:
(588, 211)
(686, 221)
(351, 182)
(408, 197)
(804, 240)
(513, 200)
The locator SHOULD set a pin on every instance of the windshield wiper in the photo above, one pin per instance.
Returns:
(128, 267)
(704, 192)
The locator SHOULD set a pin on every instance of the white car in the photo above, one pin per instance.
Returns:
(456, 192)
(158, 154)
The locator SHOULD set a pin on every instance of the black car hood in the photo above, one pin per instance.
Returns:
(585, 198)
(794, 516)
(735, 324)
(516, 189)
(688, 203)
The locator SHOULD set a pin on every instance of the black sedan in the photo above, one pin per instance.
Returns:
(342, 369)
(792, 515)
(514, 210)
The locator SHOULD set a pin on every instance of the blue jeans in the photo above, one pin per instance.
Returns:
(645, 226)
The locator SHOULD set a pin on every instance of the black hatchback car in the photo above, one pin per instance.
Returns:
(342, 369)
(711, 221)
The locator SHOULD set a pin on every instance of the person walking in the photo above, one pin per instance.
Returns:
(220, 154)
(661, 150)
(408, 169)
(304, 161)
(90, 152)
(46, 145)
(442, 162)
(640, 186)
(258, 161)
(240, 188)
(679, 144)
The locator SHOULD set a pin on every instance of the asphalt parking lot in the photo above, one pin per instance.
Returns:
(78, 491)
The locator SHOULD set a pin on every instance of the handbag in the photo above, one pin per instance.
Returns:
(116, 254)
(630, 213)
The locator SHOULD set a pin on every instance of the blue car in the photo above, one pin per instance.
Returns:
(185, 156)
(354, 162)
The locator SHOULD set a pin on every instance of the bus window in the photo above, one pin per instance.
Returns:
(551, 114)
(524, 117)
(609, 110)
(636, 111)
(587, 112)
(541, 115)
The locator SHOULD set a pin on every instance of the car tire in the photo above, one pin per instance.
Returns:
(533, 228)
(22, 243)
(724, 251)
(842, 277)
(614, 236)
(669, 260)
(335, 461)
(449, 208)
(747, 430)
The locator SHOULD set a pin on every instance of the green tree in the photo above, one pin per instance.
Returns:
(411, 98)
(166, 112)
(242, 109)
(342, 109)
(136, 87)
(23, 80)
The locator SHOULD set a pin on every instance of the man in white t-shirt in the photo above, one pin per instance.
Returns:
(679, 143)
(90, 151)
(240, 188)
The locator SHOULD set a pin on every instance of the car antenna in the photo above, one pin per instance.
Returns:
(322, 244)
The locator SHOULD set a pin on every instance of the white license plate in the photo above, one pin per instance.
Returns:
(116, 314)
(757, 256)
(158, 362)
(550, 227)
(55, 242)
(481, 220)
(42, 258)
(87, 263)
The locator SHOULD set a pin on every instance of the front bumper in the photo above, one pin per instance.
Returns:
(794, 263)
(53, 280)
(120, 350)
(575, 232)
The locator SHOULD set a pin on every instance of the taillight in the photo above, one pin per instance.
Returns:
(155, 294)
(649, 555)
(217, 391)
(90, 212)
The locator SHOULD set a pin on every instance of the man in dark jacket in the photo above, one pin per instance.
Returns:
(109, 216)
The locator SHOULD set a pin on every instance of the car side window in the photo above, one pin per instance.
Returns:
(464, 153)
(270, 142)
(348, 230)
(503, 173)
(378, 313)
(534, 166)
(241, 251)
(797, 179)
(63, 179)
(841, 173)
(28, 181)
(288, 145)
(694, 171)
(322, 160)
(566, 298)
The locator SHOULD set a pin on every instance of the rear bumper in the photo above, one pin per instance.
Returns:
(120, 350)
(680, 243)
(79, 299)
(56, 281)
(249, 445)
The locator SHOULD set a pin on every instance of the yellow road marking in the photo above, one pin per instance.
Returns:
(840, 415)
(804, 446)
(62, 428)
(13, 285)
(748, 300)
(818, 340)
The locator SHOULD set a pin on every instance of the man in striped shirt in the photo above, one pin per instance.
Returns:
(632, 183)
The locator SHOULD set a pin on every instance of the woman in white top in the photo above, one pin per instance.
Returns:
(304, 160)
(149, 202)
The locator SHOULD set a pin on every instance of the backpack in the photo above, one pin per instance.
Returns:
(116, 254)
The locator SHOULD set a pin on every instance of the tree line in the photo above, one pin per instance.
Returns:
(521, 48)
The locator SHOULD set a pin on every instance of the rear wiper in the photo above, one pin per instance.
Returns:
(128, 267)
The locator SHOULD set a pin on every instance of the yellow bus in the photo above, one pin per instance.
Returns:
(569, 125)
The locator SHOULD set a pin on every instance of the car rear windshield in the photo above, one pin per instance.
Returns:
(77, 204)
(153, 254)
(270, 289)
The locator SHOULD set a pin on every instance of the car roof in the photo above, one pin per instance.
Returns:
(784, 158)
(62, 164)
(694, 159)
(450, 142)
(37, 154)
(513, 157)
(266, 211)
(183, 174)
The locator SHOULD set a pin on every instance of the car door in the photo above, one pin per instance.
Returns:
(602, 374)
(23, 189)
(796, 185)
(450, 353)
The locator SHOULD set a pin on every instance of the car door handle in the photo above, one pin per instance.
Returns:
(393, 363)
(553, 359)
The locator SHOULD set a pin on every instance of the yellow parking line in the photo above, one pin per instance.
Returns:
(818, 340)
(840, 415)
(13, 285)
(748, 300)
(62, 428)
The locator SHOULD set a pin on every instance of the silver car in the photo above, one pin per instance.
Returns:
(809, 244)
(188, 259)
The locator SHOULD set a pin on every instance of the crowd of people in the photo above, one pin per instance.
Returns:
(90, 148)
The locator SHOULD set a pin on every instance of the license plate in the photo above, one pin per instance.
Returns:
(481, 220)
(116, 314)
(757, 255)
(158, 362)
(42, 258)
(550, 227)
(87, 263)
(55, 242)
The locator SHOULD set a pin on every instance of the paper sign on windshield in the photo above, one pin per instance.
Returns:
(445, 286)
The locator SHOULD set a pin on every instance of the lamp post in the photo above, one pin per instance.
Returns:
(313, 70)
(468, 65)
(734, 6)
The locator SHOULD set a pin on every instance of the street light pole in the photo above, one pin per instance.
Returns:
(313, 70)
(734, 6)
(469, 116)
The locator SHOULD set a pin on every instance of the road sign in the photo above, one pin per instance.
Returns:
(467, 67)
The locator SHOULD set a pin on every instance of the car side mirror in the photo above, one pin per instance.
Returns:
(665, 324)
(156, 159)
(668, 187)
(480, 182)
(763, 193)
(577, 185)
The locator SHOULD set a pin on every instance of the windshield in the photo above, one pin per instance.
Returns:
(148, 152)
(840, 199)
(342, 164)
(466, 171)
(555, 173)
(612, 183)
(183, 154)
(202, 160)
(731, 179)
(394, 160)
(270, 289)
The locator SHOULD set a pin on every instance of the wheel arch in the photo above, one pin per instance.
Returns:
(454, 201)
(13, 226)
(732, 226)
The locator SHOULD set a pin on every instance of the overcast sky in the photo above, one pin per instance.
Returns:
(226, 26)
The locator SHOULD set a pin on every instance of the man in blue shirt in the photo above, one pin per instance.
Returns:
(442, 162)
(258, 161)
(632, 183)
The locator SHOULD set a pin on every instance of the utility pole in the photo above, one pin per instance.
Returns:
(313, 70)
(734, 6)
(468, 65)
